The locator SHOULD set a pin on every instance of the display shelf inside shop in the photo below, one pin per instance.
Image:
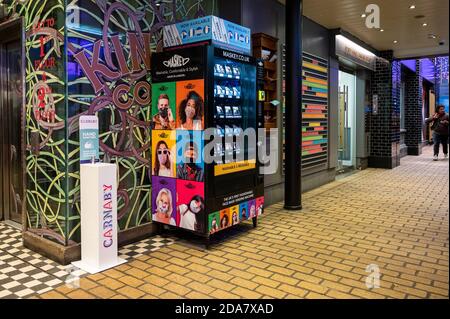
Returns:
(265, 47)
(315, 111)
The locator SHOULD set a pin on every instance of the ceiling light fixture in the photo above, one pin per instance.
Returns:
(381, 30)
(395, 41)
(363, 15)
(432, 36)
(424, 24)
(412, 7)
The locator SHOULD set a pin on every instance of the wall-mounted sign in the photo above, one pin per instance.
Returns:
(89, 139)
(261, 95)
(220, 32)
(221, 53)
(347, 49)
(375, 104)
(185, 64)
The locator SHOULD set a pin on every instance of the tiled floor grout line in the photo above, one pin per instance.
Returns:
(323, 253)
(13, 254)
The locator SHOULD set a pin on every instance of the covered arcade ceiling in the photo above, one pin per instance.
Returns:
(419, 31)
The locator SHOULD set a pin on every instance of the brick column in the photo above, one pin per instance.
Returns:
(437, 78)
(385, 121)
(413, 110)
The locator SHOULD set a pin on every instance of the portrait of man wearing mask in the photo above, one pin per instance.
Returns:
(189, 170)
(164, 119)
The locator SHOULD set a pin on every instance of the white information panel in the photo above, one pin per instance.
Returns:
(98, 218)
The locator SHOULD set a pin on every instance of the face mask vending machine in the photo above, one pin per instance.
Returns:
(205, 120)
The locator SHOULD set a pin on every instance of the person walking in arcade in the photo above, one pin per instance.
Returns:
(439, 125)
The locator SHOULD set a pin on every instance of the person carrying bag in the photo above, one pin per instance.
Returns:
(439, 125)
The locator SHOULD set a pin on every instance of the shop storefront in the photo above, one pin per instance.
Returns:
(356, 64)
(318, 131)
(97, 58)
(79, 59)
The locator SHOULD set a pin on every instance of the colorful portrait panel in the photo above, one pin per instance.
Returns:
(164, 106)
(190, 105)
(191, 205)
(164, 192)
(164, 153)
(190, 164)
(213, 222)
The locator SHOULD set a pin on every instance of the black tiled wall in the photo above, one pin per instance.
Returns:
(385, 123)
(413, 110)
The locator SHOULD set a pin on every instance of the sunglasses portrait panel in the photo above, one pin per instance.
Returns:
(163, 153)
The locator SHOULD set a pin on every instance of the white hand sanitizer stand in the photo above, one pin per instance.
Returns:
(98, 218)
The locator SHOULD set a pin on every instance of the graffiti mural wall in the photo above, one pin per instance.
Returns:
(103, 69)
(45, 114)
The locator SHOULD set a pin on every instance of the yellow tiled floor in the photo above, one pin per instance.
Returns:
(394, 219)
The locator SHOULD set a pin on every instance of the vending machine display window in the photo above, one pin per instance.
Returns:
(219, 112)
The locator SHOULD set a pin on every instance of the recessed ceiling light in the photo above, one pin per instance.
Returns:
(363, 15)
(412, 6)
(381, 30)
(395, 41)
(424, 24)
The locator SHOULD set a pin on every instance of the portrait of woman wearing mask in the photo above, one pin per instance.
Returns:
(191, 214)
(260, 210)
(164, 208)
(235, 219)
(224, 222)
(191, 112)
(214, 226)
(163, 161)
(252, 211)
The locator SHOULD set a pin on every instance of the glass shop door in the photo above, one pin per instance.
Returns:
(11, 104)
(347, 121)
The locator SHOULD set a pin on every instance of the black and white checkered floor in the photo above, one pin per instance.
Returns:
(24, 273)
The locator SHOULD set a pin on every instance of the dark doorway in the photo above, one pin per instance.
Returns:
(11, 121)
